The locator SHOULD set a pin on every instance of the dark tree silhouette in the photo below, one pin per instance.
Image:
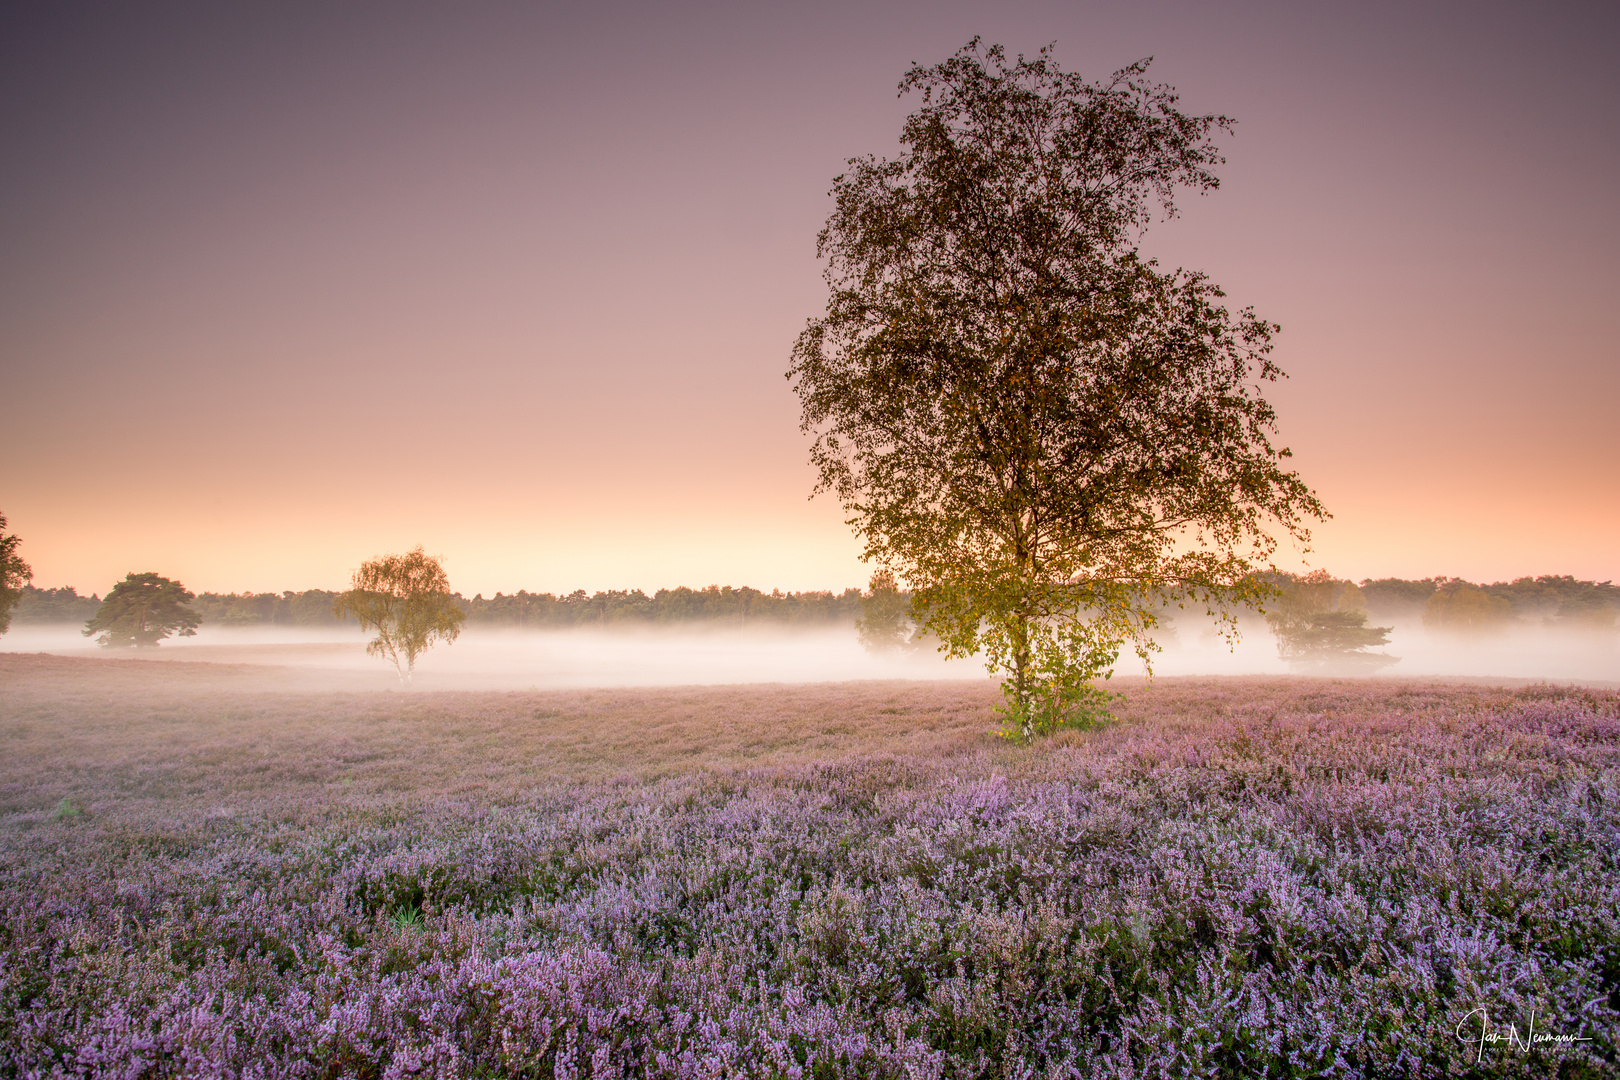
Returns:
(884, 623)
(1321, 624)
(142, 610)
(14, 575)
(1047, 436)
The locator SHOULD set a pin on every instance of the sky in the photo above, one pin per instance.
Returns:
(285, 288)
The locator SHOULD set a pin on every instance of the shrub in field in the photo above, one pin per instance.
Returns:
(1347, 884)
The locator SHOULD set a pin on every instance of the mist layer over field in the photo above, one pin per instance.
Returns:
(514, 659)
(1525, 652)
(508, 659)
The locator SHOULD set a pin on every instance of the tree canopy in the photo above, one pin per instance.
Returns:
(1398, 598)
(1561, 600)
(142, 610)
(1044, 434)
(406, 601)
(1321, 624)
(714, 604)
(63, 605)
(1461, 607)
(884, 623)
(15, 575)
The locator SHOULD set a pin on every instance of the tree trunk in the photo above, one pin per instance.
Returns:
(1021, 690)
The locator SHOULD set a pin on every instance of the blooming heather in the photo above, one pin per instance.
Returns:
(1241, 878)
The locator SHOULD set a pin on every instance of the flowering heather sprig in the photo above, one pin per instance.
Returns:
(1308, 884)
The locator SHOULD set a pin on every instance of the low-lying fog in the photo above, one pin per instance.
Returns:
(490, 658)
(1520, 653)
(487, 658)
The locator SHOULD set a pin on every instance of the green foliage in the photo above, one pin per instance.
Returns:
(1551, 599)
(1048, 437)
(56, 606)
(1397, 598)
(142, 610)
(720, 604)
(885, 623)
(407, 917)
(1342, 638)
(14, 575)
(1321, 623)
(1053, 699)
(1561, 600)
(1462, 607)
(312, 607)
(406, 600)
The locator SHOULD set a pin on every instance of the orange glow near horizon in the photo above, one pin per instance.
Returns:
(286, 290)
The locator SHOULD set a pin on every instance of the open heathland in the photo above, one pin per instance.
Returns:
(215, 870)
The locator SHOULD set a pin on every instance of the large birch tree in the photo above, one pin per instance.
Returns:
(1043, 433)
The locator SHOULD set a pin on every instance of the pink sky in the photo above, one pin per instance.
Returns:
(283, 291)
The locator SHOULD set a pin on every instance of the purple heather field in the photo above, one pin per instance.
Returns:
(214, 870)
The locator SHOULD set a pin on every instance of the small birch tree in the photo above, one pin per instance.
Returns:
(406, 600)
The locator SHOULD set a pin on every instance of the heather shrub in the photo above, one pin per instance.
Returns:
(1243, 883)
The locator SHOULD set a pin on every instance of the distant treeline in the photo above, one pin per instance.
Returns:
(1441, 602)
(1438, 601)
(310, 608)
(54, 606)
(715, 604)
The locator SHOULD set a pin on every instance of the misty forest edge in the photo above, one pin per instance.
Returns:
(1546, 599)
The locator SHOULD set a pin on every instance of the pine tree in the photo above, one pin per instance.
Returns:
(142, 610)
